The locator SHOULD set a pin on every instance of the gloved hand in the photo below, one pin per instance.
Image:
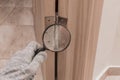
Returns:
(23, 66)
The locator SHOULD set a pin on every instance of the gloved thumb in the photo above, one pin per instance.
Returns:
(37, 60)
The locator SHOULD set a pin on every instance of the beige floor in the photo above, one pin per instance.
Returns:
(16, 27)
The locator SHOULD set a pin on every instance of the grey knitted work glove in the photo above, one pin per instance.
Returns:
(23, 66)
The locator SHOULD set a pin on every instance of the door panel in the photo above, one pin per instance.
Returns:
(41, 9)
(77, 62)
(65, 59)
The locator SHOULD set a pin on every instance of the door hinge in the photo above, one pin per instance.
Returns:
(50, 20)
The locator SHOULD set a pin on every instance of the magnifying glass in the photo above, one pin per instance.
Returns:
(55, 38)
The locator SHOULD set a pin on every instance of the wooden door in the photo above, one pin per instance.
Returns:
(41, 9)
(77, 61)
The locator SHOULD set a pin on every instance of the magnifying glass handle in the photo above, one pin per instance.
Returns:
(38, 50)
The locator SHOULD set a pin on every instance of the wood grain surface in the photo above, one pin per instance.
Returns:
(77, 62)
(42, 9)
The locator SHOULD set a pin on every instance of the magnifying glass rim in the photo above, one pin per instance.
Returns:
(45, 32)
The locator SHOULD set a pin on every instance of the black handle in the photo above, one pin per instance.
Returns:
(38, 50)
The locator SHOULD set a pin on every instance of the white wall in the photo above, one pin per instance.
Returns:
(108, 50)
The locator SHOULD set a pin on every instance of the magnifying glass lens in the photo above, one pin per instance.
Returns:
(56, 38)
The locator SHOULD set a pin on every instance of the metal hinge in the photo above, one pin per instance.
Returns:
(50, 20)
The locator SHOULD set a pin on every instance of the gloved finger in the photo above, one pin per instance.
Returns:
(37, 60)
(29, 51)
(27, 54)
